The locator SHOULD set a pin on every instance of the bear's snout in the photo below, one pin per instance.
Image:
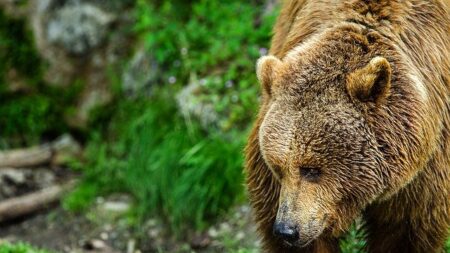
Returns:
(297, 235)
(286, 231)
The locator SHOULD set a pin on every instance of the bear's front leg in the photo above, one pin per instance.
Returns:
(417, 218)
(403, 237)
(394, 229)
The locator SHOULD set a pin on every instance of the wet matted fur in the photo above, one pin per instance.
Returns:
(357, 91)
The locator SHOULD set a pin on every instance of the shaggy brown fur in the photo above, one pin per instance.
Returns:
(354, 121)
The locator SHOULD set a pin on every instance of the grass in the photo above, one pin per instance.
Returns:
(188, 177)
(204, 40)
(19, 248)
(175, 169)
(166, 163)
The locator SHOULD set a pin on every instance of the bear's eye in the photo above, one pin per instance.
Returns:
(310, 173)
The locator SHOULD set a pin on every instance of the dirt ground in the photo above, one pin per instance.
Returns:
(96, 231)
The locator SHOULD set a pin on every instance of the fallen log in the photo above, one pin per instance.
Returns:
(30, 203)
(26, 157)
(56, 152)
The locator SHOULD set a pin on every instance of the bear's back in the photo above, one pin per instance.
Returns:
(421, 29)
(418, 30)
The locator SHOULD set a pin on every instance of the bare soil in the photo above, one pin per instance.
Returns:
(95, 231)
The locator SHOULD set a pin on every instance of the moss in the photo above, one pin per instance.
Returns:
(39, 111)
(17, 51)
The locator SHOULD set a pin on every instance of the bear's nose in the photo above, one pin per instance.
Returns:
(286, 231)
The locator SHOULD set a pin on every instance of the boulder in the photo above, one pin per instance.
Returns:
(80, 41)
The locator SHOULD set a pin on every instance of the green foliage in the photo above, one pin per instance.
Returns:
(13, 111)
(19, 248)
(105, 157)
(354, 241)
(82, 197)
(103, 174)
(178, 171)
(17, 50)
(37, 110)
(190, 176)
(447, 246)
(174, 169)
(206, 39)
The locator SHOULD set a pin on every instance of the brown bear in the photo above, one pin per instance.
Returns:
(354, 122)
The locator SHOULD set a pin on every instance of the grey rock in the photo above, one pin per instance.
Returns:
(78, 28)
(75, 38)
(269, 6)
(15, 176)
(114, 205)
(10, 180)
(65, 148)
(140, 74)
(15, 182)
(43, 178)
(112, 5)
(191, 107)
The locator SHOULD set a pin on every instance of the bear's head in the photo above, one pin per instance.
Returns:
(314, 135)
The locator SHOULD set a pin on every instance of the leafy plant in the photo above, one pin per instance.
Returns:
(353, 241)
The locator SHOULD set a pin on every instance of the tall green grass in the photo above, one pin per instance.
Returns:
(177, 170)
(173, 168)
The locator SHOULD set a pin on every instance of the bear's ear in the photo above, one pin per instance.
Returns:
(371, 83)
(266, 70)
